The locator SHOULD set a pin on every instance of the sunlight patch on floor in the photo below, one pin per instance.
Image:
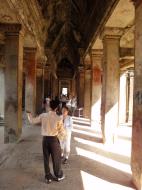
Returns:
(86, 133)
(91, 182)
(104, 160)
(115, 148)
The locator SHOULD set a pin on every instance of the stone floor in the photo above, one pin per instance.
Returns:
(92, 166)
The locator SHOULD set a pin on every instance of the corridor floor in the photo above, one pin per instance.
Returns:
(92, 166)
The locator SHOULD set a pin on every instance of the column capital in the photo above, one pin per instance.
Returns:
(30, 50)
(96, 52)
(87, 61)
(10, 28)
(80, 68)
(112, 33)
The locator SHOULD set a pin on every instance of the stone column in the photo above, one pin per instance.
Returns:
(136, 157)
(122, 98)
(55, 87)
(110, 87)
(1, 92)
(80, 80)
(73, 89)
(30, 80)
(87, 87)
(96, 87)
(39, 89)
(13, 81)
(2, 87)
(47, 87)
(131, 86)
(80, 86)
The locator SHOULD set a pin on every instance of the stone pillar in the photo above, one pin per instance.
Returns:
(30, 80)
(87, 87)
(73, 89)
(47, 87)
(2, 87)
(96, 87)
(39, 89)
(80, 87)
(55, 87)
(131, 87)
(13, 81)
(136, 157)
(110, 86)
(122, 98)
(1, 93)
(80, 80)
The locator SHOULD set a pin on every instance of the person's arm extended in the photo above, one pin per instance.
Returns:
(33, 120)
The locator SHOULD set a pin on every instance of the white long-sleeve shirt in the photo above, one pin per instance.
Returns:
(68, 123)
(51, 123)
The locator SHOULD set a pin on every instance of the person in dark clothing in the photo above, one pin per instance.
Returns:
(51, 126)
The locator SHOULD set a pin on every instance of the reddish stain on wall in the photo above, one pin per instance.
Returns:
(97, 74)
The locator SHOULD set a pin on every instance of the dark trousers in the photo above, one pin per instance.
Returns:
(51, 146)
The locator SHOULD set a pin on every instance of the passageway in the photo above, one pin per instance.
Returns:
(92, 165)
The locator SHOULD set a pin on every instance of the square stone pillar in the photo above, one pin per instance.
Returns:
(122, 98)
(96, 87)
(2, 92)
(47, 86)
(136, 157)
(2, 86)
(13, 81)
(39, 89)
(87, 87)
(30, 79)
(55, 87)
(80, 87)
(131, 96)
(110, 86)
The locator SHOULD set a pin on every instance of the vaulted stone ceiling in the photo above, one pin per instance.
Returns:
(71, 25)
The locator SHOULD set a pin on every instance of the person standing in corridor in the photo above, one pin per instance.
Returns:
(51, 126)
(65, 143)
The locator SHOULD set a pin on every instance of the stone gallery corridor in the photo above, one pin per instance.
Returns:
(92, 166)
(85, 54)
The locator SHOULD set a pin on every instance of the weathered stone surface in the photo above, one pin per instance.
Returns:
(110, 88)
(30, 78)
(137, 108)
(96, 86)
(13, 85)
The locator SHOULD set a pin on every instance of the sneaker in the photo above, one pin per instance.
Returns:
(60, 178)
(65, 161)
(48, 180)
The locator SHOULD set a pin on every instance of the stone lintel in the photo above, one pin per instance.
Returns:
(10, 29)
(112, 33)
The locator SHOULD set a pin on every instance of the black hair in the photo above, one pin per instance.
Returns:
(53, 104)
